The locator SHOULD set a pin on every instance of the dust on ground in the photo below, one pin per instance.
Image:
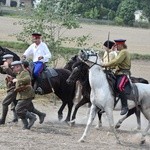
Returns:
(55, 135)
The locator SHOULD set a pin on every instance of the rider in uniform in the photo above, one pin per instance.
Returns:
(123, 64)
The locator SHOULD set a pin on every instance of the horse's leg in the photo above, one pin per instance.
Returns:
(70, 105)
(145, 133)
(130, 112)
(138, 117)
(60, 114)
(99, 124)
(146, 112)
(78, 93)
(90, 120)
(83, 101)
(109, 113)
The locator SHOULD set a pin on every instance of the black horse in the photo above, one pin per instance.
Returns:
(53, 83)
(57, 84)
(80, 72)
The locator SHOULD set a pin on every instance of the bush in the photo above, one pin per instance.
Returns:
(141, 24)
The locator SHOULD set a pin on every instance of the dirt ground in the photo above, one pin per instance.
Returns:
(55, 135)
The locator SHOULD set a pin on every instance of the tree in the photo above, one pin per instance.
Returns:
(126, 11)
(51, 18)
(145, 6)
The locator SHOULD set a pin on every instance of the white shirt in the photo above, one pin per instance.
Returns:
(112, 55)
(37, 51)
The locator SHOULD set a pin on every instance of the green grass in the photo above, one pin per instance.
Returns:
(64, 51)
(18, 46)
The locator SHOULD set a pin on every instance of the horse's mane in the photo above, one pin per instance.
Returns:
(4, 51)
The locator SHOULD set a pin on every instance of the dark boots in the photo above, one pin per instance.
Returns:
(40, 114)
(123, 98)
(15, 116)
(25, 124)
(4, 114)
(39, 89)
(32, 119)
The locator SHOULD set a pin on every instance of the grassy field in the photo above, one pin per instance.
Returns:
(137, 39)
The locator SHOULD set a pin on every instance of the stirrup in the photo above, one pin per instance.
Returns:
(39, 91)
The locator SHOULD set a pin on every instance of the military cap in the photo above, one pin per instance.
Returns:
(14, 63)
(120, 41)
(36, 35)
(7, 56)
(109, 44)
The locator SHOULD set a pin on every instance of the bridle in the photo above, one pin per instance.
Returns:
(85, 57)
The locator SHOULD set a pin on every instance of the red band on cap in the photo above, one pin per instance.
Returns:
(120, 43)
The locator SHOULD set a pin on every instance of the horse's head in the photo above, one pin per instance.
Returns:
(89, 56)
(79, 72)
(71, 62)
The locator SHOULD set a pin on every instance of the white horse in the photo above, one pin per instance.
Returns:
(102, 98)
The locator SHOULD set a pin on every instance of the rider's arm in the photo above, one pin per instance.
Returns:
(121, 56)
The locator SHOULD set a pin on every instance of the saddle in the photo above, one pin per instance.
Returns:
(45, 76)
(130, 90)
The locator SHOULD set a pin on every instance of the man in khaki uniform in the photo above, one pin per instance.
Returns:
(123, 65)
(11, 94)
(25, 94)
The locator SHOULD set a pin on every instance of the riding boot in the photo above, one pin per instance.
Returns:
(123, 98)
(32, 119)
(15, 116)
(25, 124)
(4, 114)
(40, 114)
(39, 89)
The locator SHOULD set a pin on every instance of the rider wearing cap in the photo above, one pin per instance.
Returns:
(11, 94)
(110, 51)
(41, 55)
(25, 94)
(123, 65)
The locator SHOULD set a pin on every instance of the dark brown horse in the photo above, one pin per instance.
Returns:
(55, 80)
(80, 72)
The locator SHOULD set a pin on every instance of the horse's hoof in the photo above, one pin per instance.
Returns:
(118, 142)
(72, 123)
(97, 127)
(142, 142)
(81, 140)
(60, 117)
(117, 126)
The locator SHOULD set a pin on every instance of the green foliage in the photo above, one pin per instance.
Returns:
(14, 45)
(136, 56)
(119, 21)
(126, 11)
(52, 19)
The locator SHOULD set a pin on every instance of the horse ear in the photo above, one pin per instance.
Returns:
(82, 50)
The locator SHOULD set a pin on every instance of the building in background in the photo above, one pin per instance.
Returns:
(17, 3)
(139, 17)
